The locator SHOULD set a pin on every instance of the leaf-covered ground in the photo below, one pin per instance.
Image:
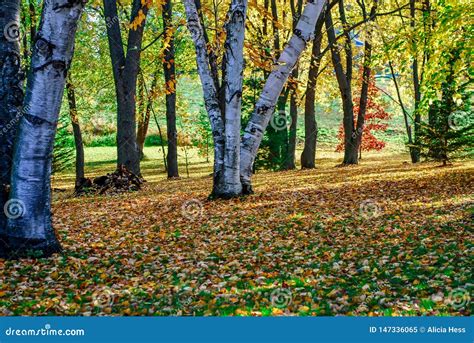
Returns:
(382, 238)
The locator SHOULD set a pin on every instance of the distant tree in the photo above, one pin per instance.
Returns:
(352, 125)
(126, 66)
(308, 156)
(374, 118)
(449, 131)
(169, 71)
(76, 127)
(63, 151)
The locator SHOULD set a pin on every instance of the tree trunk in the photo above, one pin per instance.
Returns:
(290, 157)
(413, 153)
(278, 131)
(125, 70)
(29, 224)
(170, 79)
(416, 89)
(308, 156)
(234, 60)
(141, 101)
(11, 100)
(350, 147)
(364, 94)
(71, 97)
(145, 114)
(276, 80)
(209, 91)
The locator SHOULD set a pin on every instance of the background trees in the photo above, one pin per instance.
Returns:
(245, 63)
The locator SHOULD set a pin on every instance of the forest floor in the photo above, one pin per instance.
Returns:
(381, 238)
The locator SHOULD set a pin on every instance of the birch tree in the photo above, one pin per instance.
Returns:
(227, 133)
(11, 99)
(226, 136)
(265, 105)
(29, 225)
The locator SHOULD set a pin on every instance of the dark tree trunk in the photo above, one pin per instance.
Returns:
(350, 149)
(290, 159)
(296, 7)
(278, 131)
(170, 79)
(71, 97)
(417, 91)
(11, 100)
(145, 112)
(413, 152)
(29, 225)
(125, 69)
(308, 156)
(352, 131)
(141, 116)
(364, 93)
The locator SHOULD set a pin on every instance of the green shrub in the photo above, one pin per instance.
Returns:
(154, 140)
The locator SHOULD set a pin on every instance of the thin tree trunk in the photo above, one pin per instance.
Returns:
(125, 70)
(413, 154)
(29, 226)
(347, 41)
(416, 88)
(71, 97)
(276, 80)
(141, 104)
(308, 156)
(144, 119)
(290, 158)
(350, 149)
(170, 79)
(209, 91)
(278, 133)
(11, 100)
(364, 93)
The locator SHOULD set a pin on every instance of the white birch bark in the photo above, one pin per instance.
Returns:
(265, 105)
(210, 94)
(234, 57)
(29, 225)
